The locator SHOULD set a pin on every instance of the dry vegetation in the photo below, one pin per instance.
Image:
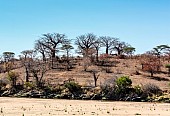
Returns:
(124, 67)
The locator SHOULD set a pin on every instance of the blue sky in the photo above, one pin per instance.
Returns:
(142, 23)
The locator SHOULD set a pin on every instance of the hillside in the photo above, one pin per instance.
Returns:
(122, 67)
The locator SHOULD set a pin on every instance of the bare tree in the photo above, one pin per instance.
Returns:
(28, 54)
(27, 61)
(108, 42)
(119, 47)
(85, 43)
(39, 47)
(150, 63)
(37, 70)
(97, 45)
(95, 77)
(51, 41)
(67, 48)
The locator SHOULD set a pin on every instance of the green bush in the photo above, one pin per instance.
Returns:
(138, 90)
(29, 85)
(73, 87)
(167, 66)
(124, 82)
(55, 89)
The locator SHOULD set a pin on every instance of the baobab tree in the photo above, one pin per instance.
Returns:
(85, 43)
(51, 41)
(108, 42)
(97, 45)
(119, 47)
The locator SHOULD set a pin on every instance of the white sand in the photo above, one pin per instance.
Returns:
(55, 107)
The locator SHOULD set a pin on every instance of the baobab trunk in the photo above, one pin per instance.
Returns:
(52, 59)
(107, 50)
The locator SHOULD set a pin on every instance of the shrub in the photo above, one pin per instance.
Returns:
(124, 82)
(55, 89)
(3, 84)
(110, 82)
(13, 76)
(29, 85)
(138, 90)
(110, 92)
(151, 89)
(118, 90)
(73, 87)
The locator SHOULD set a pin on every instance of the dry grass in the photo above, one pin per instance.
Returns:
(126, 67)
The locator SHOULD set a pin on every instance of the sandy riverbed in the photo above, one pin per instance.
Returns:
(54, 107)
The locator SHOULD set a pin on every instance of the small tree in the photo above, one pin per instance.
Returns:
(150, 63)
(8, 56)
(67, 48)
(158, 50)
(95, 77)
(38, 69)
(97, 44)
(8, 66)
(86, 63)
(27, 58)
(129, 50)
(39, 47)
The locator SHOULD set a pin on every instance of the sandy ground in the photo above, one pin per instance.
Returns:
(54, 107)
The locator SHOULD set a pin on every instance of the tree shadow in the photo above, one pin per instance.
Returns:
(160, 78)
